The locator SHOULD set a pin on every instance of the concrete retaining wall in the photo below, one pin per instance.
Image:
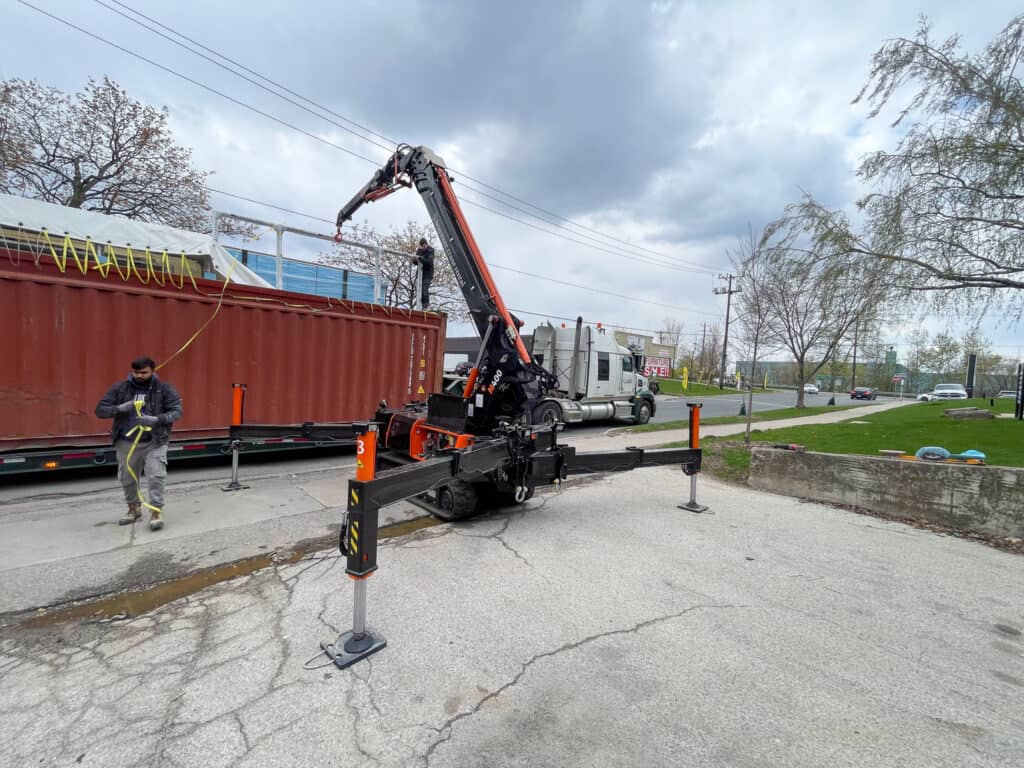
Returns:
(969, 498)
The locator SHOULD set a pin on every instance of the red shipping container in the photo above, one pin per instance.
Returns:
(67, 337)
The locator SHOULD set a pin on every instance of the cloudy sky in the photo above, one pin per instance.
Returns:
(662, 130)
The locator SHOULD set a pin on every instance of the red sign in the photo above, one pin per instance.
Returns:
(658, 366)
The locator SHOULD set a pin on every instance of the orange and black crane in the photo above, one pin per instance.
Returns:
(455, 455)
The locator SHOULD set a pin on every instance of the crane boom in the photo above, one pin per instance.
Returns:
(506, 376)
(422, 168)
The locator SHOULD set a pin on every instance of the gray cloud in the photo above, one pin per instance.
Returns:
(670, 124)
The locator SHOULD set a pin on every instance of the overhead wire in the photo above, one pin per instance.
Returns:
(490, 264)
(618, 326)
(196, 83)
(267, 115)
(390, 141)
(661, 259)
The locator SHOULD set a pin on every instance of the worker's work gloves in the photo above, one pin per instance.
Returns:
(149, 421)
(125, 407)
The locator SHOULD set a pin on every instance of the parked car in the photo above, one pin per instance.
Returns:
(949, 392)
(810, 389)
(926, 396)
(863, 393)
(1009, 394)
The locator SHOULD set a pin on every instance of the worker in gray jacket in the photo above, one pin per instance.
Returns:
(143, 409)
(424, 258)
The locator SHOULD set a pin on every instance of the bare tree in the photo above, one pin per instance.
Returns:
(815, 299)
(12, 147)
(671, 332)
(947, 210)
(1004, 375)
(916, 359)
(99, 150)
(943, 357)
(753, 307)
(398, 273)
(671, 335)
(710, 355)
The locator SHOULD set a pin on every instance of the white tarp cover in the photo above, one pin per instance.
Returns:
(59, 220)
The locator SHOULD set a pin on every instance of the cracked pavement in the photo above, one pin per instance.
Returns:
(600, 626)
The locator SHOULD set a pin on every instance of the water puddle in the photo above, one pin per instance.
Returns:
(127, 605)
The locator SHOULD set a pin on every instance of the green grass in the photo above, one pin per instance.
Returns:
(733, 461)
(907, 429)
(675, 387)
(780, 413)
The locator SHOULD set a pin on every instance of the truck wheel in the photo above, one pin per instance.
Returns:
(547, 414)
(455, 502)
(643, 413)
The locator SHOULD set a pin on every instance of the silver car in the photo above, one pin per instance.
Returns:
(949, 392)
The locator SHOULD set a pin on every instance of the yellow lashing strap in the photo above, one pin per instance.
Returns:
(216, 311)
(138, 430)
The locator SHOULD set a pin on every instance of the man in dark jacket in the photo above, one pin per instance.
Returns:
(143, 409)
(425, 259)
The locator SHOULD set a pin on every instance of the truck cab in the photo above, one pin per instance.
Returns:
(597, 378)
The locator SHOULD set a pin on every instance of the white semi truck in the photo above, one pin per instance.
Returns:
(598, 379)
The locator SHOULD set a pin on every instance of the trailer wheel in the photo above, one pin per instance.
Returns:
(456, 501)
(643, 413)
(547, 414)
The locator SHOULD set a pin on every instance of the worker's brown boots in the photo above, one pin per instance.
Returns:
(134, 513)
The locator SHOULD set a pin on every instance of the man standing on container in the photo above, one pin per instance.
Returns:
(425, 259)
(143, 409)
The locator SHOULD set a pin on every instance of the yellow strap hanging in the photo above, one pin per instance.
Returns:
(216, 311)
(138, 430)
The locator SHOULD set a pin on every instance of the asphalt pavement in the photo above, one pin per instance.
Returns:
(599, 626)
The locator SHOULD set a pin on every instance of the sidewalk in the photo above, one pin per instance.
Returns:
(620, 437)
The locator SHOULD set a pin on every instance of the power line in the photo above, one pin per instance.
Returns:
(278, 120)
(665, 260)
(205, 87)
(599, 290)
(273, 118)
(642, 259)
(271, 205)
(495, 266)
(390, 142)
(226, 68)
(549, 316)
(601, 246)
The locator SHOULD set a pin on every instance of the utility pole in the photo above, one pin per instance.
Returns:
(703, 338)
(729, 291)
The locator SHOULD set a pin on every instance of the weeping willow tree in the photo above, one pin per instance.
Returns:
(946, 207)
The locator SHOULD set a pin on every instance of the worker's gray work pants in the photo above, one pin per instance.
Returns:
(150, 461)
